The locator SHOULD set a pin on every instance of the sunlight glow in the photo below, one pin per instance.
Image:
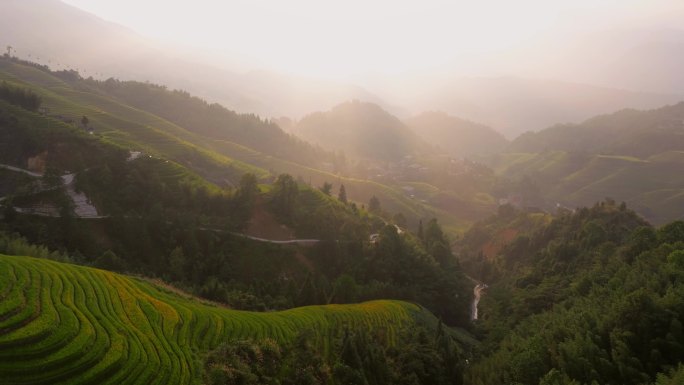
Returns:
(342, 39)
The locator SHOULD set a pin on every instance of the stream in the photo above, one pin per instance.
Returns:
(477, 292)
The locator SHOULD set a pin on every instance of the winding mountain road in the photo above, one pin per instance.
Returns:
(17, 169)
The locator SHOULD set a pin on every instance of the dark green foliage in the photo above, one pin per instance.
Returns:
(244, 362)
(398, 266)
(326, 188)
(342, 195)
(24, 135)
(399, 219)
(110, 261)
(304, 363)
(211, 120)
(15, 245)
(676, 258)
(21, 97)
(591, 297)
(51, 178)
(284, 198)
(178, 264)
(671, 233)
(675, 377)
(437, 244)
(345, 289)
(246, 195)
(374, 205)
(419, 358)
(357, 358)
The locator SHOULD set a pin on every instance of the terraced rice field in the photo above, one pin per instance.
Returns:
(66, 324)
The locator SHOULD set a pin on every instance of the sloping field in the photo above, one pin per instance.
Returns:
(66, 324)
(126, 126)
(219, 161)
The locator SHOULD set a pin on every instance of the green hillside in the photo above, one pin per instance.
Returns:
(626, 132)
(198, 142)
(631, 156)
(653, 186)
(594, 296)
(62, 323)
(157, 217)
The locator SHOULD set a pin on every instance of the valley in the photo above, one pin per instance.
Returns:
(442, 193)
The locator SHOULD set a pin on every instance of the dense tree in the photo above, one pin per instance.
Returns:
(283, 199)
(21, 97)
(374, 205)
(594, 296)
(178, 264)
(437, 244)
(342, 195)
(210, 119)
(326, 188)
(399, 219)
(51, 178)
(110, 261)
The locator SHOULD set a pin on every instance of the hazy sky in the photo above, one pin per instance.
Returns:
(354, 38)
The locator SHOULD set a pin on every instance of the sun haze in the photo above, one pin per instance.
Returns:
(347, 39)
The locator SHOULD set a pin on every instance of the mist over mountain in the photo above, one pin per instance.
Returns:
(631, 155)
(627, 132)
(646, 58)
(70, 38)
(514, 105)
(458, 137)
(361, 130)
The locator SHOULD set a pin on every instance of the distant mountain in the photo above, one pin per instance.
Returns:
(515, 105)
(59, 35)
(362, 130)
(632, 156)
(645, 59)
(458, 137)
(626, 132)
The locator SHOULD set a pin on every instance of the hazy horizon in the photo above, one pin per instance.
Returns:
(383, 41)
(513, 66)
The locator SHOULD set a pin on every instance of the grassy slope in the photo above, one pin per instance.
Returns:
(219, 161)
(632, 156)
(653, 186)
(62, 323)
(125, 125)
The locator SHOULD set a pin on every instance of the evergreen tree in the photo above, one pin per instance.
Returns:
(284, 197)
(326, 188)
(342, 196)
(374, 205)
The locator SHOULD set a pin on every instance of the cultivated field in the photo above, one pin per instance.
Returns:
(67, 324)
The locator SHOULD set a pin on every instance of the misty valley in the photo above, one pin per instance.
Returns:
(481, 212)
